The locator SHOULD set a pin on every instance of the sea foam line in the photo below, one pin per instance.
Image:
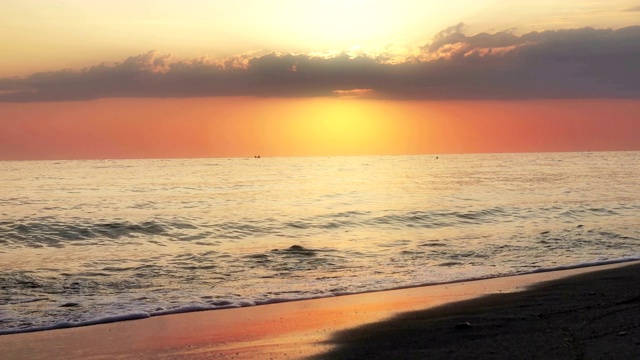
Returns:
(247, 303)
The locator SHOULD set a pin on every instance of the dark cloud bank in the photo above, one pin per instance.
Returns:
(576, 63)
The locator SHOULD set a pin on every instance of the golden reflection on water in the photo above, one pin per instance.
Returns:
(156, 234)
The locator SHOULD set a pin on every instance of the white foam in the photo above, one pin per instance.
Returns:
(587, 264)
(246, 303)
(192, 308)
(68, 324)
(284, 300)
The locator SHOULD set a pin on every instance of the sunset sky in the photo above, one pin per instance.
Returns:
(194, 78)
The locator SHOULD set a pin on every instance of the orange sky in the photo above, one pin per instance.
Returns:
(195, 78)
(229, 127)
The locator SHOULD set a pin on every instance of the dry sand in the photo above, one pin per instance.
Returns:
(594, 314)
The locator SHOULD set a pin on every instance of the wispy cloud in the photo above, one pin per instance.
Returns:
(573, 63)
(354, 93)
(633, 9)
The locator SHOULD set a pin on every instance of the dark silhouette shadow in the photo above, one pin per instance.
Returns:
(589, 316)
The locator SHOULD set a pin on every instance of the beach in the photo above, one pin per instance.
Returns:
(585, 313)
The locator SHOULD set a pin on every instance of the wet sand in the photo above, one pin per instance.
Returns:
(588, 313)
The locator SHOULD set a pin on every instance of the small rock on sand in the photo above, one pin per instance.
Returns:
(462, 326)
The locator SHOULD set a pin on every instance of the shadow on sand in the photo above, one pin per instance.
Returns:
(594, 315)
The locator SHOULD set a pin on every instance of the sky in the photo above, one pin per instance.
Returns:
(194, 78)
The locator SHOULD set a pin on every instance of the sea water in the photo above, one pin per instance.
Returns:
(84, 242)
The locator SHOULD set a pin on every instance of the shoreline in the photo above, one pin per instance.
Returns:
(293, 329)
(191, 309)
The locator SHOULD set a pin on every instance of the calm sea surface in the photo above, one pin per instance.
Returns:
(85, 242)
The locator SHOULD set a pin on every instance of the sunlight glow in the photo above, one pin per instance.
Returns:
(343, 127)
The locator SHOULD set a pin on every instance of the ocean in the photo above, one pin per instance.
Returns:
(86, 242)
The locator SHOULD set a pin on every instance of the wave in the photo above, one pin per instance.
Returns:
(227, 304)
(60, 234)
(51, 232)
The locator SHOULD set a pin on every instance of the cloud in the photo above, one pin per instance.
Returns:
(633, 9)
(353, 93)
(453, 40)
(573, 63)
